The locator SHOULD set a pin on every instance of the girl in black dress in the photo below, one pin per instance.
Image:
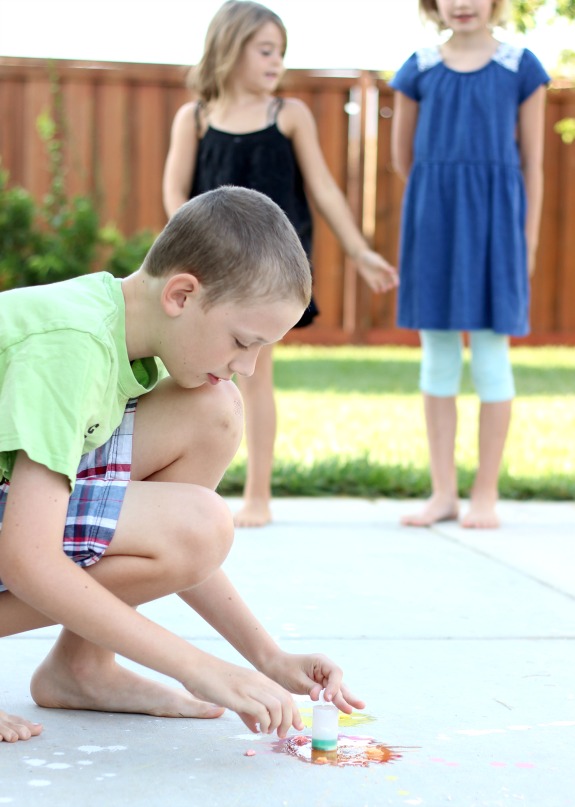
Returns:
(240, 133)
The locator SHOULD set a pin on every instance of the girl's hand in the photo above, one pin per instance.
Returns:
(379, 275)
(309, 674)
(263, 705)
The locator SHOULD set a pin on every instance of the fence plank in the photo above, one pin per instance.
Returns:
(150, 147)
(566, 264)
(78, 111)
(37, 99)
(543, 283)
(112, 177)
(12, 129)
(119, 118)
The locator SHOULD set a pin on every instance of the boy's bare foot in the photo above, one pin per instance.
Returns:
(14, 728)
(437, 508)
(112, 688)
(481, 515)
(254, 513)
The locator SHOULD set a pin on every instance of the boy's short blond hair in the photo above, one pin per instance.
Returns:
(238, 243)
(428, 10)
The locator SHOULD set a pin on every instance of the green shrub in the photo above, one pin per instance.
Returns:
(19, 240)
(39, 244)
(58, 238)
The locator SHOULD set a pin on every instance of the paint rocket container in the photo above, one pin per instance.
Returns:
(324, 727)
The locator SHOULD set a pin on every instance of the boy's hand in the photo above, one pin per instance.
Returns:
(262, 704)
(309, 674)
(379, 275)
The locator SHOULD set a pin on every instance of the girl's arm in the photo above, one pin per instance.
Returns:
(405, 112)
(297, 123)
(181, 159)
(531, 137)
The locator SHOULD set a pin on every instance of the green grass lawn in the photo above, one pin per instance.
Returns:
(350, 422)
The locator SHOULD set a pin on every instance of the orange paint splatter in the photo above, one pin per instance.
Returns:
(355, 751)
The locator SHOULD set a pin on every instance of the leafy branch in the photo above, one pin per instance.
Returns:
(60, 237)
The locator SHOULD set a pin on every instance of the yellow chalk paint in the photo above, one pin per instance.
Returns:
(354, 719)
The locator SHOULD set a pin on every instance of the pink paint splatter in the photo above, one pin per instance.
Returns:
(444, 761)
(355, 751)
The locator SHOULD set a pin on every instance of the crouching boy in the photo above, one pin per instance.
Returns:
(110, 464)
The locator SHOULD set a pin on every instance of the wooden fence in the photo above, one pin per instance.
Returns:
(117, 128)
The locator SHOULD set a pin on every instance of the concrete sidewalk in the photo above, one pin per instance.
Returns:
(461, 643)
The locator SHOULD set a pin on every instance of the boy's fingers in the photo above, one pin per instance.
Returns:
(276, 715)
(351, 698)
(315, 692)
(291, 718)
(282, 714)
(258, 719)
(346, 701)
(264, 719)
(355, 702)
(250, 721)
(297, 722)
(333, 686)
(342, 704)
(286, 723)
(272, 713)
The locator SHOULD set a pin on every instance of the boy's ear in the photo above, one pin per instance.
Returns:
(178, 290)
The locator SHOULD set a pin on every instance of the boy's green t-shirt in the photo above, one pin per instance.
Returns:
(65, 375)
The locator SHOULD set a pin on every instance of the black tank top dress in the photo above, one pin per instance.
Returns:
(264, 161)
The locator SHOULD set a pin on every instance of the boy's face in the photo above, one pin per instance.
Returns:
(210, 345)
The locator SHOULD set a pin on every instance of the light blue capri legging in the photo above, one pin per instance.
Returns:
(442, 361)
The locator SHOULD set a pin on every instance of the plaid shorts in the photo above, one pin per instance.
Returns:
(96, 500)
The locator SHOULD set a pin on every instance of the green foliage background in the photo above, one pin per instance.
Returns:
(60, 237)
(523, 12)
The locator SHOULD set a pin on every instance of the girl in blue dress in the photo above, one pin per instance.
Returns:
(468, 137)
(240, 133)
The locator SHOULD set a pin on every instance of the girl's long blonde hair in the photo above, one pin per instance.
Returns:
(233, 24)
(428, 9)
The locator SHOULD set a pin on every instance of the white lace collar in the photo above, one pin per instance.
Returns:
(507, 55)
(428, 58)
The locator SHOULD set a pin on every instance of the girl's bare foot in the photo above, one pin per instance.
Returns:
(254, 513)
(111, 688)
(481, 514)
(13, 728)
(437, 508)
